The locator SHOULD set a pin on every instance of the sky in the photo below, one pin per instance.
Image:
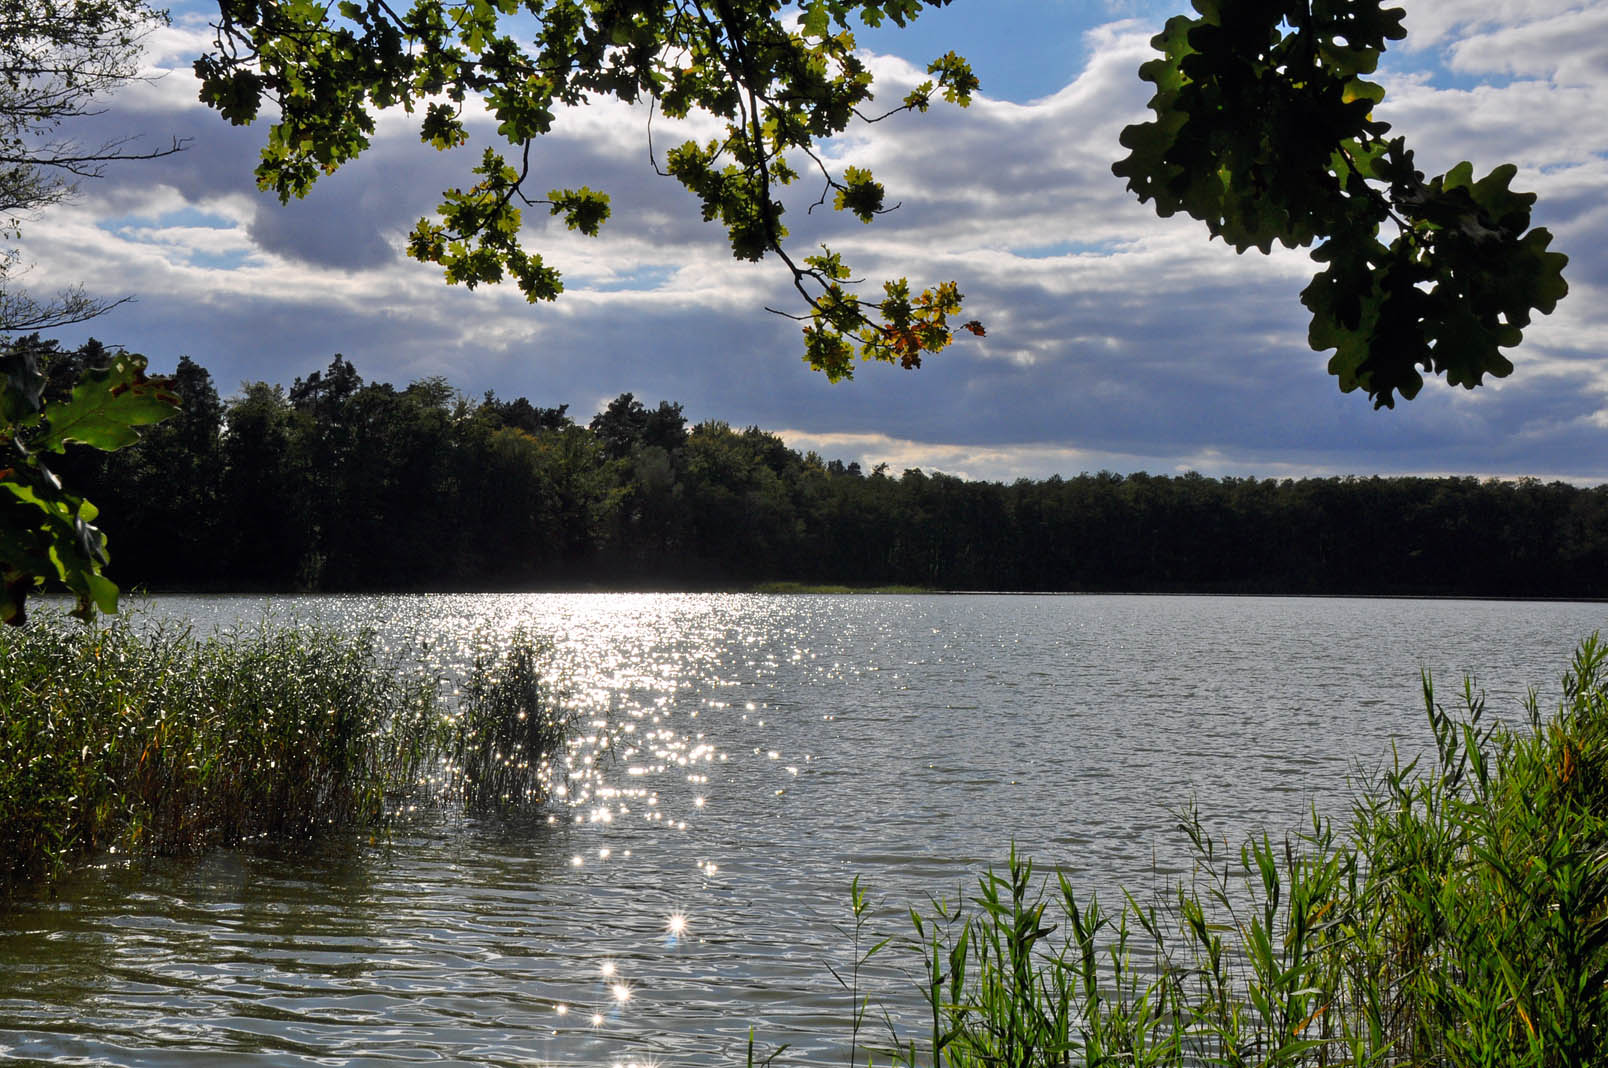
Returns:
(1116, 340)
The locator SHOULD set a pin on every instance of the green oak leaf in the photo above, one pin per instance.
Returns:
(107, 405)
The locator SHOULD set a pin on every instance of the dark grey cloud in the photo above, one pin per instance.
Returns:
(349, 220)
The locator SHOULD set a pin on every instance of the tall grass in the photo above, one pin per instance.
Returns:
(1461, 920)
(508, 730)
(156, 741)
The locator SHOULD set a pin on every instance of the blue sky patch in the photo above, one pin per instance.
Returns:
(637, 280)
(1066, 248)
(183, 217)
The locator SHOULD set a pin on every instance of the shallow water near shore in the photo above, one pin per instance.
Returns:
(748, 756)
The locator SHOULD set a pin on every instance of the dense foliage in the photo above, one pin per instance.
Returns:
(1461, 919)
(340, 484)
(1265, 129)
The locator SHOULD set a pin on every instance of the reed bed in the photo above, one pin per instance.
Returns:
(1461, 920)
(152, 740)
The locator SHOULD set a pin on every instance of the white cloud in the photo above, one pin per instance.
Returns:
(1566, 47)
(1444, 22)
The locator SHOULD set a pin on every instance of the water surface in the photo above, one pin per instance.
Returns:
(765, 751)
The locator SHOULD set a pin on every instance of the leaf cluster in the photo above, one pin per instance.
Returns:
(1264, 129)
(45, 529)
(777, 81)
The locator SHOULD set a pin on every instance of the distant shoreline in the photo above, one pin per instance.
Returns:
(789, 588)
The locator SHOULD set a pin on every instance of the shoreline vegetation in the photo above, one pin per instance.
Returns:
(1460, 918)
(122, 741)
(335, 484)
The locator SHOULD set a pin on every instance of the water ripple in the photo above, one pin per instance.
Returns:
(766, 751)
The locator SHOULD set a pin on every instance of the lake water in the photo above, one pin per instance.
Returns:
(766, 750)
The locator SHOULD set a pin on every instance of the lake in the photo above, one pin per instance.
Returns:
(755, 754)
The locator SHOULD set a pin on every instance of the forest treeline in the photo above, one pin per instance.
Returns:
(340, 484)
